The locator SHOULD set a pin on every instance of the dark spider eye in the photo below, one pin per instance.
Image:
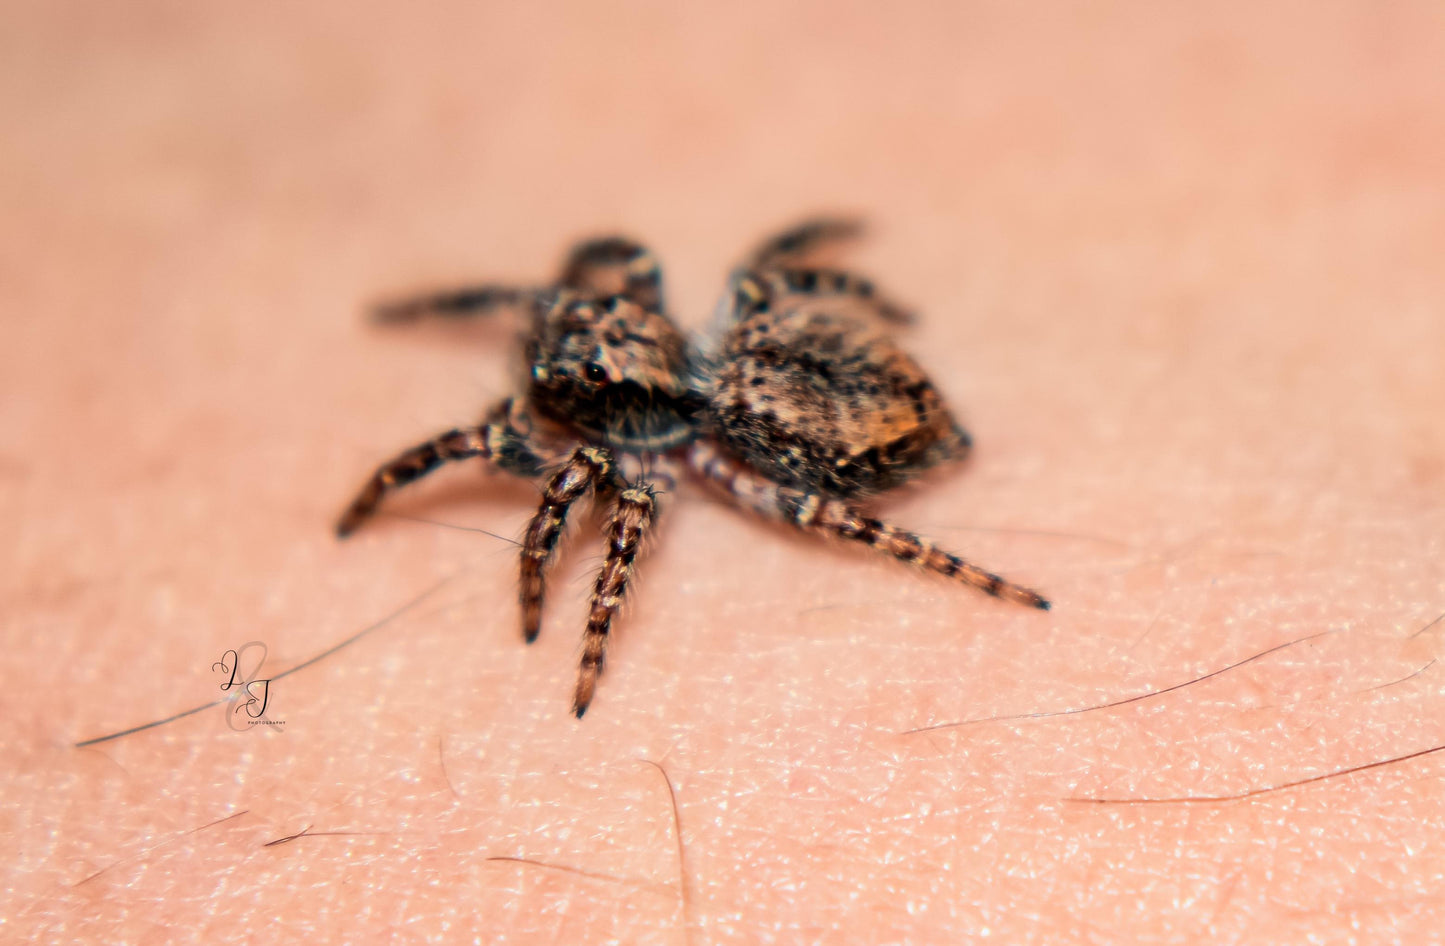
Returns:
(594, 371)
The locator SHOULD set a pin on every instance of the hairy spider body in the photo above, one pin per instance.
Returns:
(801, 407)
(823, 401)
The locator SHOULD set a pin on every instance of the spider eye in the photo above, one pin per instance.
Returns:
(594, 371)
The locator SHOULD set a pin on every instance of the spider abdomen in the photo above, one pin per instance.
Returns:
(827, 403)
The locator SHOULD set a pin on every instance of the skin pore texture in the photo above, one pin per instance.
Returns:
(1178, 274)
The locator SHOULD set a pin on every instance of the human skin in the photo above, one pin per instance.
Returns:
(1180, 278)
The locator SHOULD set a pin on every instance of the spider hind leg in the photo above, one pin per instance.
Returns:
(804, 240)
(814, 512)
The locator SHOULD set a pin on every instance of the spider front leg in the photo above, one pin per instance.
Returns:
(454, 303)
(633, 514)
(813, 512)
(497, 440)
(615, 266)
(586, 469)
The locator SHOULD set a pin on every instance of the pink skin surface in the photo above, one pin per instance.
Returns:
(1179, 274)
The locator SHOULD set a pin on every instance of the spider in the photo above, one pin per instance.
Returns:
(799, 407)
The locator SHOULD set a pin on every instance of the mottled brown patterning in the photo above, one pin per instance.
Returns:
(800, 407)
(820, 400)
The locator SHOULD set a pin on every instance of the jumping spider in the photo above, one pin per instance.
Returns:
(800, 408)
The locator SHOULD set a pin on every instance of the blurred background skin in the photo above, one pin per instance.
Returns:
(1177, 267)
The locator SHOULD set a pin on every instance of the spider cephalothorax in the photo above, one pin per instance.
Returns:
(614, 370)
(799, 408)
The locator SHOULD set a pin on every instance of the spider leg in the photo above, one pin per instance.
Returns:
(497, 440)
(453, 303)
(803, 239)
(587, 468)
(782, 263)
(814, 512)
(838, 282)
(615, 266)
(754, 291)
(633, 514)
